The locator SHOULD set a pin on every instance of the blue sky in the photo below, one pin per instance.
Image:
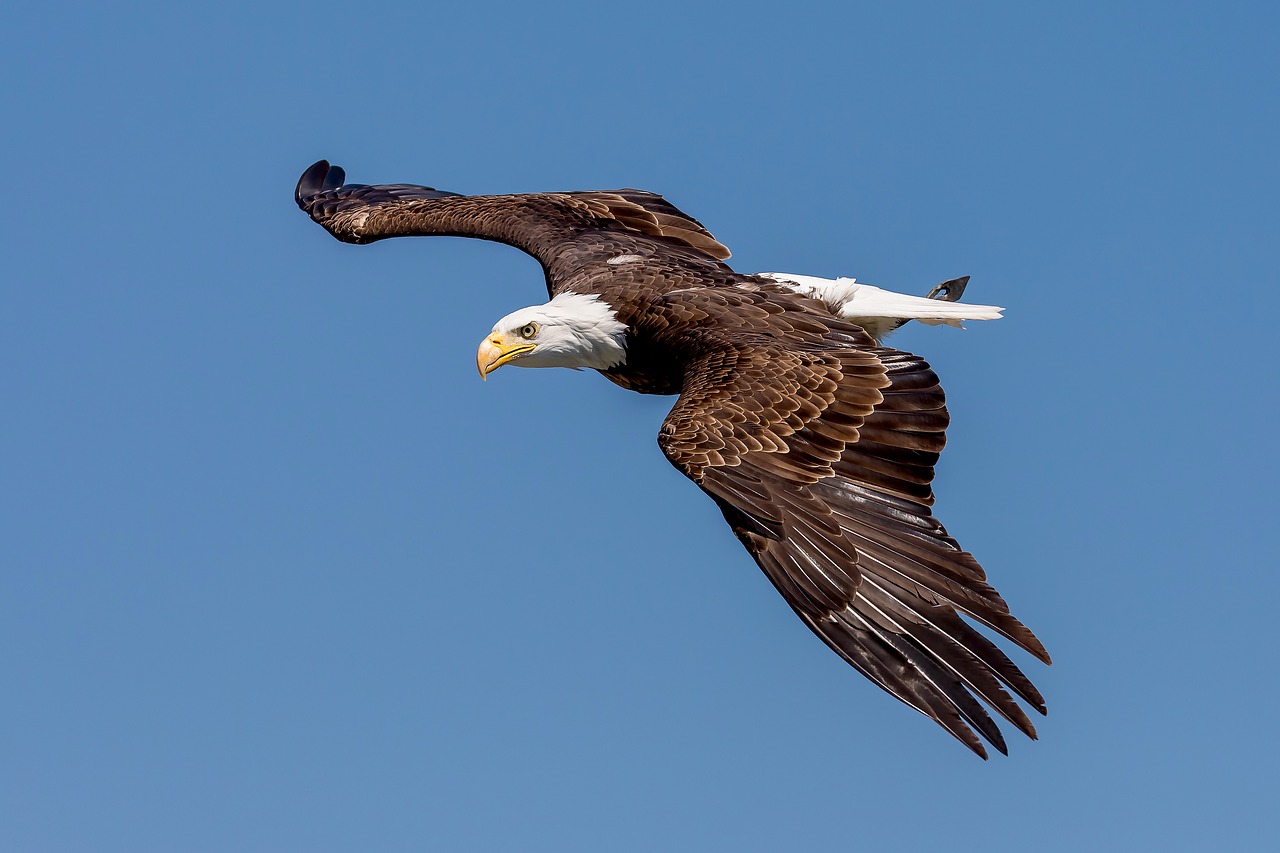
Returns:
(278, 572)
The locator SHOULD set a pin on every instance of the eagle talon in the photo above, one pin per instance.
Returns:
(950, 290)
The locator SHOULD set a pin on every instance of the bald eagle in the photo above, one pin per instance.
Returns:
(816, 442)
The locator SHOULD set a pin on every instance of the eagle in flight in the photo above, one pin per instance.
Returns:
(816, 442)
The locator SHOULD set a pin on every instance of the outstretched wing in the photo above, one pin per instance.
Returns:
(820, 453)
(564, 231)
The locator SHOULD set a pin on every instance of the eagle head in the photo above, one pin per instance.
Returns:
(572, 330)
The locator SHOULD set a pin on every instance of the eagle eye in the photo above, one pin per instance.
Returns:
(528, 330)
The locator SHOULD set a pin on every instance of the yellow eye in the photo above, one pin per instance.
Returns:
(528, 330)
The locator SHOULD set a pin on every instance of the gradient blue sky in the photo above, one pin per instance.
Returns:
(278, 572)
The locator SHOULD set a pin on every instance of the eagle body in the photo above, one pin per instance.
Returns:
(817, 442)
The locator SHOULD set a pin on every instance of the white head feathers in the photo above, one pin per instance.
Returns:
(572, 330)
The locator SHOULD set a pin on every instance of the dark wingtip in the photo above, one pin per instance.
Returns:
(950, 290)
(320, 177)
(338, 176)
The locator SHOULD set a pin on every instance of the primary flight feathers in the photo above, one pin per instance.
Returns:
(817, 443)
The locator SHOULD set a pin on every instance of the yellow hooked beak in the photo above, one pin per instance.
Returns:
(496, 350)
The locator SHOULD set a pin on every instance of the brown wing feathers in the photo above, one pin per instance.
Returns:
(552, 227)
(821, 461)
(651, 215)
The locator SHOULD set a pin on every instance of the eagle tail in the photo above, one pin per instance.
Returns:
(869, 301)
(880, 311)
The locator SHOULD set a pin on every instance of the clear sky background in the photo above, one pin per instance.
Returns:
(279, 573)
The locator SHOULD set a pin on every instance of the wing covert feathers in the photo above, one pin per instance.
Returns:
(821, 462)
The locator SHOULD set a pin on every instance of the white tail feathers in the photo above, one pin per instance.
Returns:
(876, 309)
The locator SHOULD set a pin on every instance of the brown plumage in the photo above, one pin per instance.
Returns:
(817, 444)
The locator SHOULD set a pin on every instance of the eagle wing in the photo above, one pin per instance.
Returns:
(819, 448)
(564, 231)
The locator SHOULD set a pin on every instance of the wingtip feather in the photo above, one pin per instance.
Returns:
(319, 177)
